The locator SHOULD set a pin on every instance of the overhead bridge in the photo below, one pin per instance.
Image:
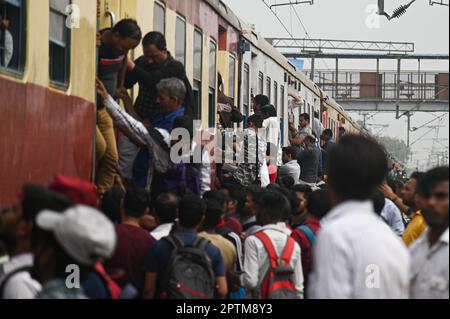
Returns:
(385, 91)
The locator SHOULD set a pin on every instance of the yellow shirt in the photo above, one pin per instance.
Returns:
(226, 248)
(415, 228)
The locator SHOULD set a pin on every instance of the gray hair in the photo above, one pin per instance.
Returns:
(174, 87)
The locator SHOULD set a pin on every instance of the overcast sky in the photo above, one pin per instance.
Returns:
(424, 25)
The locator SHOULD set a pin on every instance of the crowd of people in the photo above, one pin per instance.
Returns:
(172, 218)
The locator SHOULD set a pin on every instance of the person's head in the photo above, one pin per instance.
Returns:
(111, 204)
(166, 208)
(255, 121)
(4, 23)
(135, 203)
(288, 154)
(155, 47)
(327, 135)
(171, 94)
(80, 236)
(251, 194)
(305, 119)
(259, 102)
(356, 168)
(409, 190)
(302, 192)
(214, 214)
(293, 203)
(79, 192)
(342, 131)
(433, 191)
(191, 212)
(269, 111)
(235, 198)
(217, 196)
(18, 222)
(287, 182)
(272, 207)
(309, 140)
(125, 36)
(318, 204)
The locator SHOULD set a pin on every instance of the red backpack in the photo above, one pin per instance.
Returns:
(278, 283)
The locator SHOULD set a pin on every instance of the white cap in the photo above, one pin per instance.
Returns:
(83, 232)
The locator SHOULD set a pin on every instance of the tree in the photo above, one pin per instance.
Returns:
(396, 148)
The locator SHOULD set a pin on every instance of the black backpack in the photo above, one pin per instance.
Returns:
(189, 273)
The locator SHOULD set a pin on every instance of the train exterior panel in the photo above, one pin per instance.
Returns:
(48, 126)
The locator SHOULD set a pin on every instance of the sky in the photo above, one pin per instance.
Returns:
(424, 25)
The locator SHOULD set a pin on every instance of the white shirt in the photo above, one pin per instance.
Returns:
(21, 285)
(430, 268)
(272, 127)
(161, 231)
(357, 256)
(9, 47)
(256, 259)
(393, 217)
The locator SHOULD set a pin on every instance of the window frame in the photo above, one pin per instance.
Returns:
(260, 83)
(67, 49)
(183, 20)
(269, 88)
(275, 94)
(246, 89)
(212, 85)
(163, 7)
(231, 79)
(21, 5)
(197, 81)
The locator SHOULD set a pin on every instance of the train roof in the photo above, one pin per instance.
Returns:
(226, 13)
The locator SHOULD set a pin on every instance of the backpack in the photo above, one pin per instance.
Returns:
(183, 178)
(309, 234)
(278, 282)
(9, 275)
(189, 273)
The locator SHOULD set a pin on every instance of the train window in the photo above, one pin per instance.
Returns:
(260, 83)
(232, 76)
(212, 83)
(246, 89)
(159, 18)
(59, 43)
(180, 38)
(198, 47)
(275, 94)
(12, 35)
(269, 87)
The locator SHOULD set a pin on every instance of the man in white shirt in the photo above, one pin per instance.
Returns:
(357, 256)
(430, 253)
(16, 226)
(272, 207)
(166, 210)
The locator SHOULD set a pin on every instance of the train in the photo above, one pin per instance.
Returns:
(48, 68)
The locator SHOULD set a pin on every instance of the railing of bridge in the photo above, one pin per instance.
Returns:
(368, 85)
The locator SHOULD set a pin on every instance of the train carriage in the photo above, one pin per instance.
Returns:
(48, 67)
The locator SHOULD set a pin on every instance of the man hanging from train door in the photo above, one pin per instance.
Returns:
(114, 47)
(148, 70)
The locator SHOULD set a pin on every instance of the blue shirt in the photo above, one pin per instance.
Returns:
(141, 163)
(166, 121)
(159, 256)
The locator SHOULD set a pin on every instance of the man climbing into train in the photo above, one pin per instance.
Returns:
(113, 49)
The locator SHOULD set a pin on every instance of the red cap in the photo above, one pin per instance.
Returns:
(78, 191)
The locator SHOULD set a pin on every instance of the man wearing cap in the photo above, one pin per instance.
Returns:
(67, 246)
(16, 226)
